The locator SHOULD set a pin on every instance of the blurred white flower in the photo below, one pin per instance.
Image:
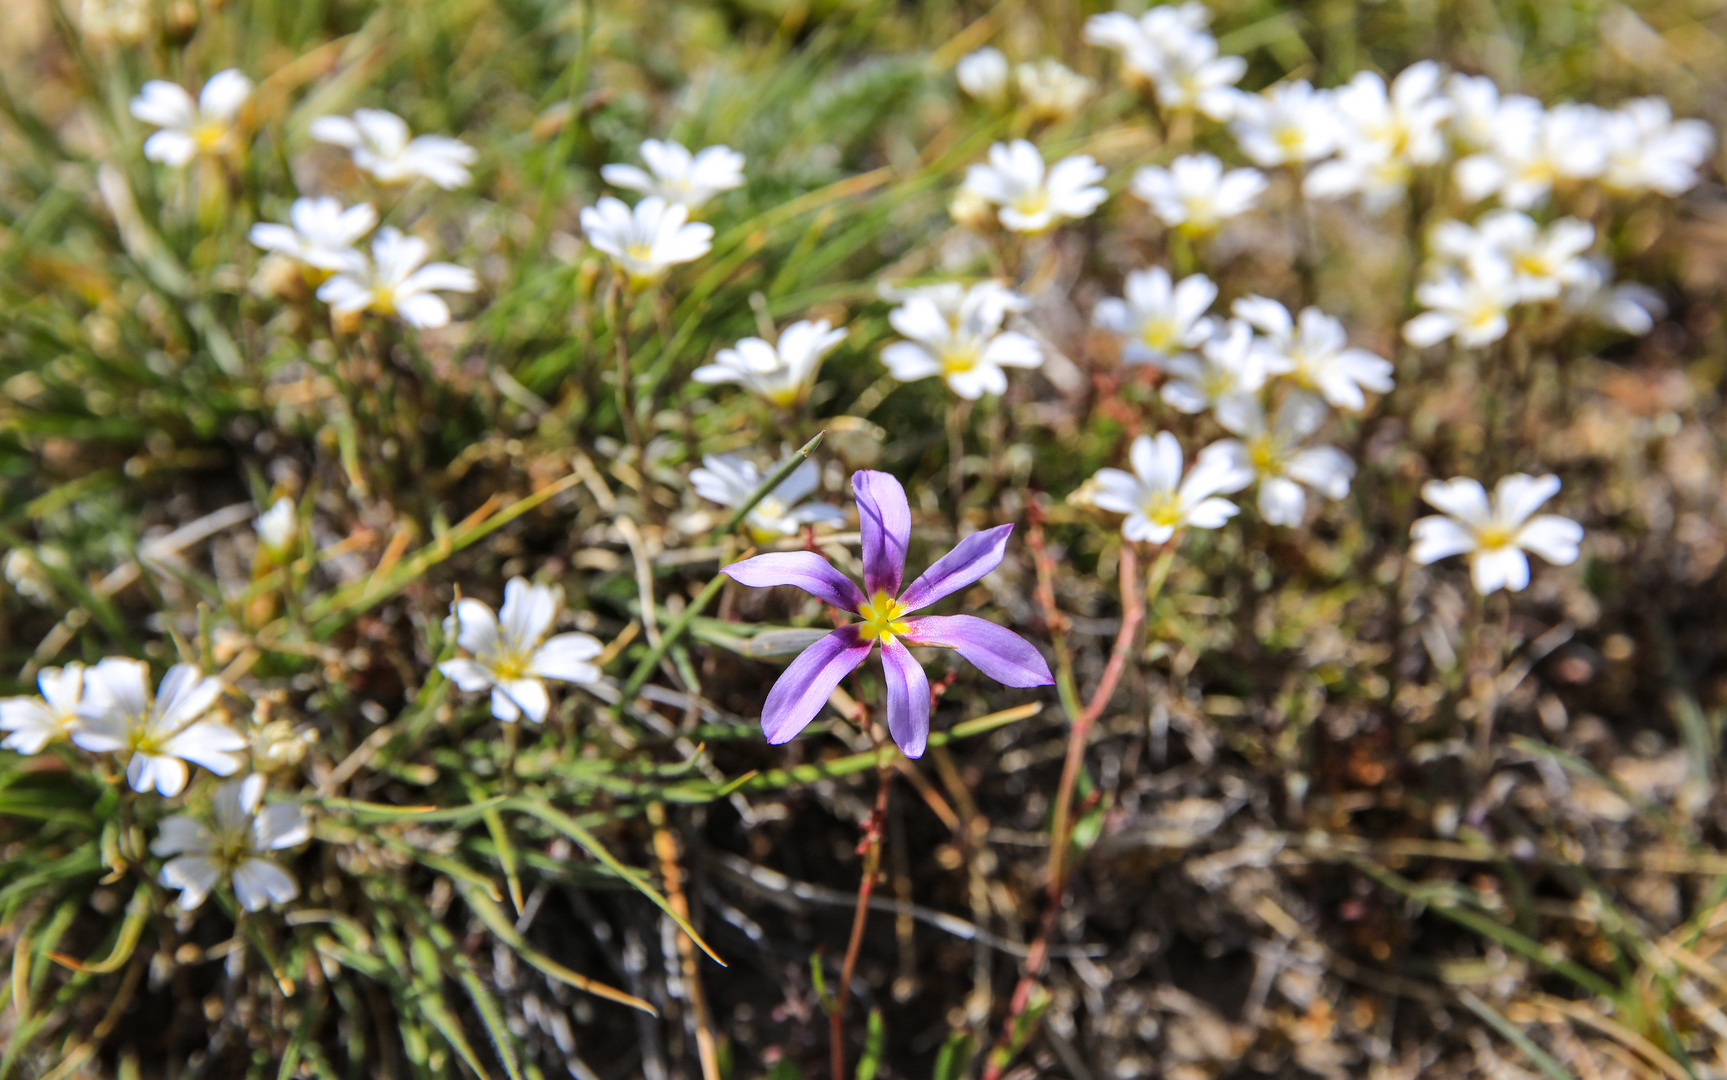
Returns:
(1478, 111)
(677, 176)
(1531, 150)
(189, 128)
(1468, 305)
(1170, 46)
(126, 22)
(647, 241)
(1648, 150)
(232, 845)
(1314, 353)
(983, 75)
(319, 233)
(277, 526)
(1495, 536)
(988, 299)
(1158, 318)
(379, 144)
(1229, 363)
(159, 736)
(1543, 261)
(783, 372)
(1050, 90)
(394, 283)
(1030, 200)
(730, 480)
(31, 723)
(1287, 124)
(1385, 131)
(1158, 500)
(1194, 194)
(964, 344)
(511, 654)
(1629, 306)
(1277, 456)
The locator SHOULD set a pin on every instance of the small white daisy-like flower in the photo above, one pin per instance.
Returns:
(117, 715)
(730, 480)
(1230, 362)
(1050, 89)
(31, 723)
(1495, 535)
(1532, 150)
(1478, 111)
(965, 346)
(1145, 43)
(1158, 318)
(1158, 500)
(379, 144)
(1194, 76)
(511, 654)
(1467, 305)
(1031, 200)
(1287, 124)
(277, 526)
(1543, 261)
(232, 844)
(319, 233)
(1404, 120)
(678, 176)
(988, 299)
(1194, 194)
(189, 128)
(1277, 455)
(783, 372)
(1648, 150)
(1314, 354)
(649, 240)
(983, 75)
(398, 282)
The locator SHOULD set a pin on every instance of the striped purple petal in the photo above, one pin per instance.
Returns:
(969, 560)
(996, 651)
(884, 519)
(805, 570)
(804, 686)
(907, 698)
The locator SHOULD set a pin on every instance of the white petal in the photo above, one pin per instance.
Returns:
(280, 825)
(1552, 537)
(527, 613)
(476, 627)
(224, 94)
(1462, 498)
(1519, 495)
(171, 148)
(258, 883)
(194, 876)
(468, 675)
(1281, 501)
(1439, 537)
(528, 695)
(566, 657)
(1500, 568)
(215, 746)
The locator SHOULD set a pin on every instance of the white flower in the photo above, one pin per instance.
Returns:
(1403, 121)
(1382, 180)
(964, 345)
(1230, 363)
(1275, 454)
(781, 373)
(730, 480)
(649, 240)
(320, 233)
(1477, 109)
(379, 144)
(32, 723)
(1145, 42)
(1543, 261)
(1158, 500)
(988, 299)
(1495, 536)
(983, 75)
(1469, 306)
(394, 283)
(1532, 149)
(277, 526)
(161, 736)
(190, 128)
(1194, 194)
(1050, 89)
(677, 176)
(1629, 307)
(1287, 124)
(1648, 150)
(1031, 201)
(1158, 318)
(1314, 354)
(511, 655)
(232, 845)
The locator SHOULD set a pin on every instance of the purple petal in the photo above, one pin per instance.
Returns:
(996, 651)
(803, 687)
(804, 569)
(884, 518)
(907, 698)
(969, 560)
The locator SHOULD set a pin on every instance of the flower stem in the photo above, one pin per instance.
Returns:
(870, 847)
(620, 339)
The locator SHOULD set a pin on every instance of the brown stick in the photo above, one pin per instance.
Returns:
(666, 847)
(870, 848)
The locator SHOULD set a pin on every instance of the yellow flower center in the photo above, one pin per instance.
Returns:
(384, 300)
(960, 358)
(1158, 334)
(1267, 459)
(641, 252)
(1162, 508)
(209, 135)
(1531, 263)
(508, 666)
(1289, 139)
(1032, 203)
(881, 615)
(1492, 537)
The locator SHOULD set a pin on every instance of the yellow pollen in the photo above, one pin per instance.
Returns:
(509, 666)
(881, 615)
(959, 359)
(1289, 139)
(1492, 537)
(384, 300)
(207, 135)
(1264, 455)
(1158, 334)
(1032, 203)
(1162, 509)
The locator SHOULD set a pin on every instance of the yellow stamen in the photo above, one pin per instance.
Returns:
(881, 615)
(1265, 456)
(1491, 537)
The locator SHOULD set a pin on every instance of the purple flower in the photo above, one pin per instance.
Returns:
(885, 520)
